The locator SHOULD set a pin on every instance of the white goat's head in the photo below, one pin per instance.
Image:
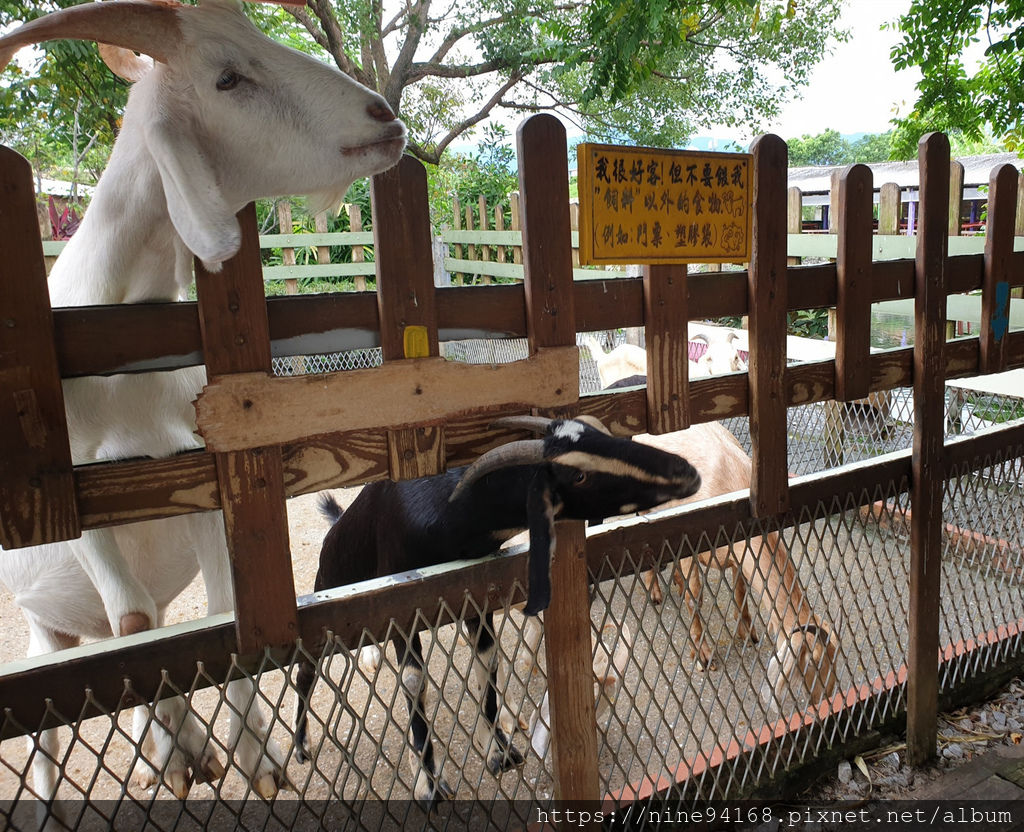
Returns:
(227, 114)
(720, 356)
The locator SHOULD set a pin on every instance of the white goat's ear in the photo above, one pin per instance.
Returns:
(124, 63)
(200, 214)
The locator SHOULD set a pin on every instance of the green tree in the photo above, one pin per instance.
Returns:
(60, 107)
(935, 34)
(647, 71)
(828, 148)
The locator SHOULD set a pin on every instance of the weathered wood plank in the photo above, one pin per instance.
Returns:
(567, 629)
(547, 242)
(853, 270)
(37, 494)
(665, 313)
(927, 464)
(405, 300)
(254, 409)
(551, 323)
(995, 293)
(236, 339)
(769, 481)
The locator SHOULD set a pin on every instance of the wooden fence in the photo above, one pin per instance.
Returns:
(418, 419)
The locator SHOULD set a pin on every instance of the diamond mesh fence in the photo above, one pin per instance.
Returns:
(718, 662)
(694, 700)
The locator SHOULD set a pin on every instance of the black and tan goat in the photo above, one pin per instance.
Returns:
(577, 470)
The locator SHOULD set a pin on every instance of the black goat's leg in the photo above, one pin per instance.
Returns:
(500, 753)
(305, 678)
(428, 786)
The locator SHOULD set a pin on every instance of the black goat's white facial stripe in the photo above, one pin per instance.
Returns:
(570, 430)
(601, 464)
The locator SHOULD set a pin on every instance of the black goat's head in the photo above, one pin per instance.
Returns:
(581, 472)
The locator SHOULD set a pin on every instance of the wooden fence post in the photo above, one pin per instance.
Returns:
(551, 322)
(284, 221)
(928, 450)
(666, 335)
(406, 301)
(769, 481)
(236, 339)
(470, 247)
(355, 223)
(513, 201)
(794, 217)
(37, 491)
(457, 226)
(889, 209)
(485, 250)
(853, 269)
(499, 225)
(995, 290)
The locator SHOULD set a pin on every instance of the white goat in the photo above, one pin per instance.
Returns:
(225, 115)
(623, 361)
(721, 355)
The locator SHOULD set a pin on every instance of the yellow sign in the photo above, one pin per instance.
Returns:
(641, 205)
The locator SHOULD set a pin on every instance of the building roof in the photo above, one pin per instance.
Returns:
(817, 180)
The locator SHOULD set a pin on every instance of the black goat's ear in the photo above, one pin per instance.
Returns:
(540, 514)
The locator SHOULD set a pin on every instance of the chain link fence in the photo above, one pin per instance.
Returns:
(770, 644)
(823, 662)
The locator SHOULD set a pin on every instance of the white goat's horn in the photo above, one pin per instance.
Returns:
(150, 28)
(523, 452)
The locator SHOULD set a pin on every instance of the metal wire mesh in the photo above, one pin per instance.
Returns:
(827, 599)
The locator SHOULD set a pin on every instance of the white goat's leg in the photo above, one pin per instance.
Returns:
(44, 748)
(496, 743)
(256, 752)
(532, 631)
(128, 605)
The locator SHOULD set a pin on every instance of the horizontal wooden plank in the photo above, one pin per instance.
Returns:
(514, 271)
(318, 271)
(884, 247)
(249, 410)
(331, 238)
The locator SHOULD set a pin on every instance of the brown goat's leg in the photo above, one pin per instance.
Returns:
(699, 648)
(744, 623)
(652, 585)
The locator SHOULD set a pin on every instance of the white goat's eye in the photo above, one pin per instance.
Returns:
(228, 80)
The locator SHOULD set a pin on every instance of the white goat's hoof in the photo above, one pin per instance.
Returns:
(177, 782)
(208, 768)
(369, 660)
(267, 786)
(144, 776)
(429, 791)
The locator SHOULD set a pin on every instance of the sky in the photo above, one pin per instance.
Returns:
(855, 89)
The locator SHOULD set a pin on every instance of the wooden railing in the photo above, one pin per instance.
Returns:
(549, 310)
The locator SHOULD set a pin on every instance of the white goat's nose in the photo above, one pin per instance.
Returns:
(379, 111)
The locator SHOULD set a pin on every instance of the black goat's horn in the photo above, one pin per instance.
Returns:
(537, 424)
(523, 452)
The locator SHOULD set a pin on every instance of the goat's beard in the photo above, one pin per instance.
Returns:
(331, 200)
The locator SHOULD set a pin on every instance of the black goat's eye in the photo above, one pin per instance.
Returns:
(228, 80)
(581, 476)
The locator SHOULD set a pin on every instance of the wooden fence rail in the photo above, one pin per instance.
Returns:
(256, 465)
